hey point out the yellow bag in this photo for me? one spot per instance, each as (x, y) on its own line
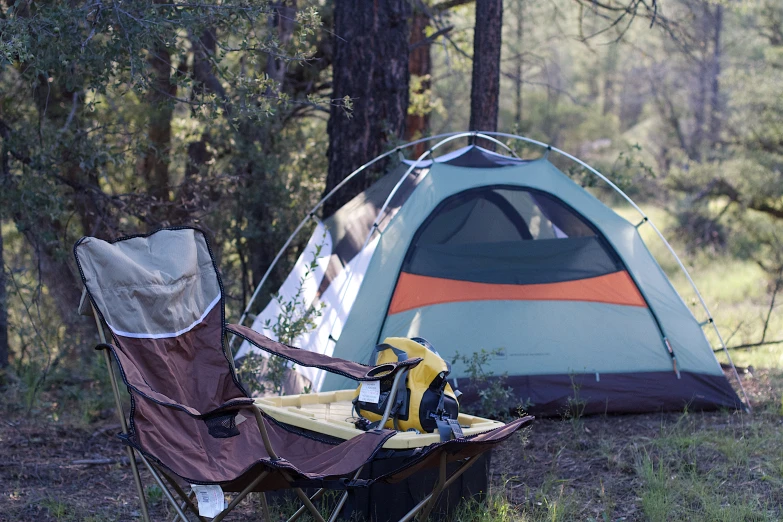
(425, 401)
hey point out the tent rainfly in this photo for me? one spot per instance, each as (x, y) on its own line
(478, 250)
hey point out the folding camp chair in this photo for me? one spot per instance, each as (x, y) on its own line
(160, 297)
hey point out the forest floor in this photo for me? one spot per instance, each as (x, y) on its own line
(658, 467)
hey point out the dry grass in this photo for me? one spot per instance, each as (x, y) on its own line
(666, 466)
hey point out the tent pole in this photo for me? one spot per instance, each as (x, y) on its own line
(646, 219)
(323, 200)
(312, 214)
(385, 205)
(492, 136)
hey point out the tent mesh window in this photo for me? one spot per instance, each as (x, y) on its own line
(508, 235)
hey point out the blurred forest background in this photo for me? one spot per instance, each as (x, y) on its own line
(120, 116)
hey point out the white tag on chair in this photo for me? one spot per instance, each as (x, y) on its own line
(210, 500)
(370, 392)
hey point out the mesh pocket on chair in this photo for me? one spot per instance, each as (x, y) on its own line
(222, 426)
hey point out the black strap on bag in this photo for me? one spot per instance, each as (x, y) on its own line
(447, 427)
(401, 397)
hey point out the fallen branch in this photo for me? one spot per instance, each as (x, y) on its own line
(102, 462)
(112, 428)
(751, 345)
(740, 369)
(106, 429)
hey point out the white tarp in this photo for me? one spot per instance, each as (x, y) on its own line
(298, 277)
(336, 301)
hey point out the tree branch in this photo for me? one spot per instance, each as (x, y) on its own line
(434, 36)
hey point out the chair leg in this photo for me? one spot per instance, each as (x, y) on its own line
(438, 488)
(145, 515)
(343, 498)
(309, 505)
(418, 507)
(184, 496)
(163, 488)
(299, 512)
(265, 508)
(250, 487)
(185, 504)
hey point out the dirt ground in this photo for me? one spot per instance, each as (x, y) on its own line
(574, 469)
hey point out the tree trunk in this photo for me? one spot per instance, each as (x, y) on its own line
(282, 22)
(261, 178)
(47, 235)
(4, 174)
(192, 194)
(519, 62)
(716, 105)
(370, 67)
(60, 281)
(4, 351)
(609, 78)
(485, 87)
(419, 65)
(153, 165)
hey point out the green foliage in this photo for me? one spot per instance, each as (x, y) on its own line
(575, 405)
(57, 509)
(494, 507)
(120, 117)
(296, 318)
(154, 494)
(496, 400)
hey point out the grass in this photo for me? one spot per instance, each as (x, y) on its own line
(736, 291)
(709, 467)
(719, 466)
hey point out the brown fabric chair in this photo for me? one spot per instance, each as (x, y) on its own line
(161, 299)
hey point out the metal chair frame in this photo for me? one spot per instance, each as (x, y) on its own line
(158, 474)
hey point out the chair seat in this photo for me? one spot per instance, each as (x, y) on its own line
(184, 445)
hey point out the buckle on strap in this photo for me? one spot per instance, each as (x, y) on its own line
(448, 429)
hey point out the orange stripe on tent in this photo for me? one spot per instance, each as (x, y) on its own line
(415, 291)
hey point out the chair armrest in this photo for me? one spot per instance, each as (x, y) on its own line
(134, 379)
(350, 369)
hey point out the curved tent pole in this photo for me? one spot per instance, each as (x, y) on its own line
(312, 213)
(491, 136)
(646, 219)
(374, 228)
(323, 200)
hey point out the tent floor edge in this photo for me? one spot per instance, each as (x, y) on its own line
(555, 395)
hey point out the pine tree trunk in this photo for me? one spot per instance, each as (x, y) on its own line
(153, 164)
(371, 67)
(609, 78)
(716, 103)
(420, 64)
(4, 351)
(519, 62)
(485, 88)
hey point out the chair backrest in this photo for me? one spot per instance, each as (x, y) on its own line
(162, 299)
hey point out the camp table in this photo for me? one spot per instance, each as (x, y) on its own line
(331, 414)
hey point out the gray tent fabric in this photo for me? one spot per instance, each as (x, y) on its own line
(471, 156)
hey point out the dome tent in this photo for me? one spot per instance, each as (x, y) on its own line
(479, 250)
